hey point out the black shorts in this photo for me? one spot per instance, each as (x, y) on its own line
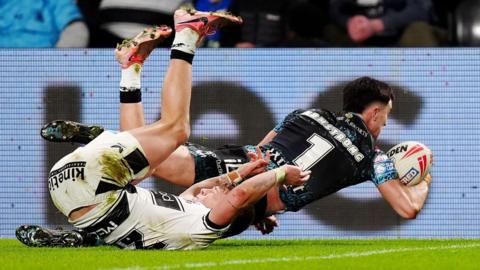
(210, 163)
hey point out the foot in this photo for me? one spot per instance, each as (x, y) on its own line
(204, 23)
(137, 49)
(69, 131)
(36, 236)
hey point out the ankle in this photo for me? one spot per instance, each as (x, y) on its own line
(186, 41)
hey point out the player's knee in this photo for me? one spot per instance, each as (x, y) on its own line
(180, 131)
(183, 133)
(409, 213)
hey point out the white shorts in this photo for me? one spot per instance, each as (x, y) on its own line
(150, 219)
(94, 173)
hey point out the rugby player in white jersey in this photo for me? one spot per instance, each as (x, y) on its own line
(93, 186)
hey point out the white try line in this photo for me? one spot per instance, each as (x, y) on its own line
(294, 258)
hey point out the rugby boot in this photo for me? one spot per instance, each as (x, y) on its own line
(204, 23)
(137, 49)
(36, 236)
(70, 131)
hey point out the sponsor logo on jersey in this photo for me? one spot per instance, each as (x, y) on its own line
(276, 157)
(70, 171)
(337, 134)
(361, 131)
(167, 200)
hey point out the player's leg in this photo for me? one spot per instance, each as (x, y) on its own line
(178, 168)
(186, 165)
(198, 163)
(131, 54)
(160, 139)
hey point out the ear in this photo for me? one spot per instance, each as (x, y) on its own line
(370, 113)
(375, 111)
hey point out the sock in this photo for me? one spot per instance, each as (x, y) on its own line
(185, 41)
(130, 84)
(131, 77)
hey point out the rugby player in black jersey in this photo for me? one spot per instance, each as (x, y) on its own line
(339, 149)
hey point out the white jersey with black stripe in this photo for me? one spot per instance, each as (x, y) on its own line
(152, 219)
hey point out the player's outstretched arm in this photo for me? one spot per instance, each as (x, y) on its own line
(253, 189)
(407, 201)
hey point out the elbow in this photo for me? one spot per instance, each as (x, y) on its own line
(239, 197)
(410, 213)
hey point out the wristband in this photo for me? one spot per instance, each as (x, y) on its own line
(279, 175)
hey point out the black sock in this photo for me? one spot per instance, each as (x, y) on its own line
(130, 95)
(177, 54)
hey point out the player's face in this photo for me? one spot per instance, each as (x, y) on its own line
(379, 119)
(211, 196)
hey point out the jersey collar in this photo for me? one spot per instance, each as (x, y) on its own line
(356, 121)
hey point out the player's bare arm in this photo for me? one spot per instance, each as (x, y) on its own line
(407, 201)
(228, 181)
(251, 190)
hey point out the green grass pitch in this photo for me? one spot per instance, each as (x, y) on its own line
(255, 254)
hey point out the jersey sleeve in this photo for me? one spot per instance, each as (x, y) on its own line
(287, 118)
(383, 168)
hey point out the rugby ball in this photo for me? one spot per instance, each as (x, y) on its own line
(413, 161)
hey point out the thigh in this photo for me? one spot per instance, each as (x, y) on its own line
(178, 168)
(157, 141)
(210, 163)
(120, 156)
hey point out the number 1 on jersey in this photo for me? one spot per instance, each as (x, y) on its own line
(319, 148)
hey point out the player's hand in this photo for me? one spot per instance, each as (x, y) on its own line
(258, 163)
(267, 225)
(428, 179)
(295, 176)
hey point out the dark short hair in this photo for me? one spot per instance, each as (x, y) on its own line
(360, 93)
(242, 221)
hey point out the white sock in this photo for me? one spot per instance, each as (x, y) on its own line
(131, 77)
(185, 41)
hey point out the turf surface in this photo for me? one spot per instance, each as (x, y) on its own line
(261, 254)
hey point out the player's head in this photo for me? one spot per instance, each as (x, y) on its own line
(370, 98)
(245, 217)
(211, 196)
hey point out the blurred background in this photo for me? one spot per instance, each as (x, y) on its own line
(269, 23)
